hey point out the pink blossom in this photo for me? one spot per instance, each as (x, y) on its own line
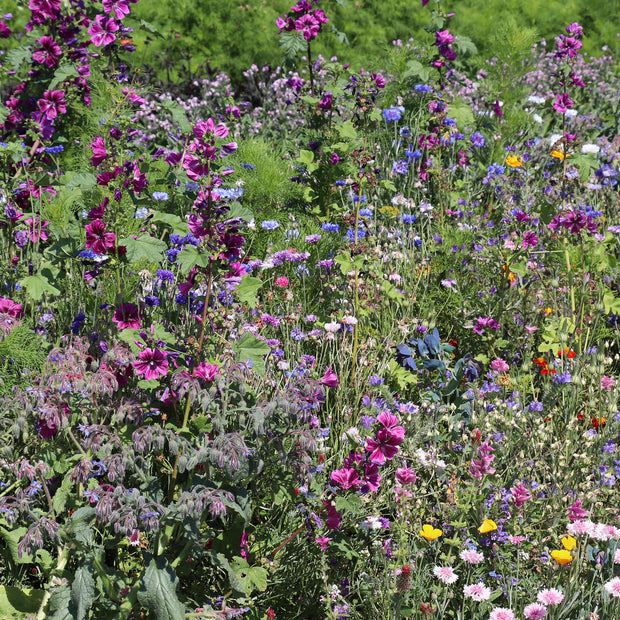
(99, 151)
(346, 477)
(333, 516)
(97, 239)
(516, 540)
(52, 103)
(390, 423)
(501, 613)
(552, 596)
(535, 611)
(445, 574)
(607, 383)
(120, 8)
(499, 365)
(8, 306)
(613, 587)
(205, 371)
(152, 363)
(36, 229)
(330, 379)
(127, 316)
(562, 103)
(323, 541)
(520, 495)
(102, 31)
(372, 479)
(477, 592)
(404, 475)
(48, 53)
(471, 556)
(385, 447)
(576, 512)
(282, 282)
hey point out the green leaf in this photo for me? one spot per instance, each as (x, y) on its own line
(347, 130)
(416, 69)
(190, 257)
(238, 210)
(250, 347)
(177, 225)
(144, 246)
(37, 285)
(177, 113)
(148, 384)
(292, 43)
(17, 56)
(62, 494)
(3, 114)
(252, 577)
(305, 157)
(60, 605)
(462, 113)
(12, 538)
(16, 603)
(246, 291)
(158, 585)
(148, 27)
(387, 184)
(64, 72)
(81, 180)
(83, 589)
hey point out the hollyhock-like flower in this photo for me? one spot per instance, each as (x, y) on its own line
(102, 30)
(152, 363)
(330, 379)
(385, 447)
(445, 574)
(471, 556)
(36, 229)
(477, 592)
(562, 103)
(8, 306)
(520, 495)
(390, 423)
(613, 587)
(205, 371)
(120, 8)
(576, 512)
(501, 613)
(346, 477)
(127, 316)
(535, 611)
(52, 104)
(99, 151)
(97, 239)
(334, 518)
(372, 479)
(404, 475)
(552, 596)
(48, 53)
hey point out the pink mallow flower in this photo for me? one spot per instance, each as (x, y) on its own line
(330, 379)
(346, 477)
(52, 104)
(97, 239)
(102, 31)
(152, 363)
(8, 306)
(520, 495)
(206, 371)
(405, 475)
(127, 316)
(36, 229)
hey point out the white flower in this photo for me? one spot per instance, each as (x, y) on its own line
(535, 99)
(332, 327)
(537, 118)
(590, 148)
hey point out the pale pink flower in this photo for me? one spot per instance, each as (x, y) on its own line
(552, 596)
(617, 556)
(445, 574)
(581, 528)
(607, 383)
(535, 611)
(501, 613)
(516, 540)
(605, 532)
(499, 365)
(613, 587)
(471, 556)
(477, 592)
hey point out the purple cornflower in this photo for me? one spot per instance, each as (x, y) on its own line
(477, 139)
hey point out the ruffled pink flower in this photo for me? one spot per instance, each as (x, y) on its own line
(205, 371)
(499, 365)
(390, 423)
(152, 363)
(48, 53)
(97, 239)
(404, 475)
(535, 611)
(552, 596)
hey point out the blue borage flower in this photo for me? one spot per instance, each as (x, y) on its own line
(270, 224)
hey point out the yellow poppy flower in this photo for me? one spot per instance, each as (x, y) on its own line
(487, 526)
(569, 543)
(561, 556)
(559, 155)
(429, 532)
(514, 161)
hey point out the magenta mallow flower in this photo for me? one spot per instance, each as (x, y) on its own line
(562, 103)
(330, 378)
(48, 53)
(346, 477)
(206, 371)
(152, 363)
(97, 239)
(99, 151)
(127, 316)
(385, 446)
(8, 306)
(120, 8)
(520, 495)
(323, 541)
(36, 229)
(405, 475)
(102, 30)
(52, 104)
(576, 512)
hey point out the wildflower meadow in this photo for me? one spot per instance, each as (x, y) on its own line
(330, 341)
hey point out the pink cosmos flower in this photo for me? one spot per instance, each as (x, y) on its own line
(152, 363)
(535, 611)
(445, 574)
(97, 239)
(127, 316)
(613, 587)
(36, 229)
(501, 613)
(102, 31)
(477, 592)
(552, 596)
(52, 104)
(471, 556)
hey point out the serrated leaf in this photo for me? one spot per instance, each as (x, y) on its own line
(416, 69)
(16, 603)
(64, 72)
(292, 43)
(37, 285)
(347, 130)
(145, 246)
(238, 210)
(60, 605)
(17, 56)
(158, 585)
(246, 291)
(83, 590)
(81, 180)
(305, 157)
(251, 348)
(189, 257)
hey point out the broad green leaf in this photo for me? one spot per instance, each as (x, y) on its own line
(462, 113)
(305, 157)
(190, 257)
(177, 225)
(62, 493)
(246, 291)
(177, 113)
(83, 590)
(148, 384)
(292, 43)
(17, 603)
(158, 585)
(61, 74)
(12, 538)
(252, 577)
(60, 605)
(144, 246)
(3, 114)
(416, 69)
(37, 285)
(238, 210)
(144, 25)
(251, 348)
(347, 130)
(81, 180)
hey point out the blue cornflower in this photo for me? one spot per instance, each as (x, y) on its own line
(393, 114)
(161, 196)
(415, 155)
(172, 254)
(535, 406)
(77, 323)
(297, 334)
(350, 236)
(404, 132)
(270, 224)
(375, 380)
(477, 139)
(230, 193)
(248, 166)
(151, 300)
(400, 166)
(365, 212)
(340, 183)
(495, 169)
(328, 227)
(165, 275)
(180, 299)
(408, 218)
(141, 213)
(449, 122)
(422, 88)
(55, 149)
(191, 186)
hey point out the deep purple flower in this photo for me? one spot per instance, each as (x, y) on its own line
(48, 53)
